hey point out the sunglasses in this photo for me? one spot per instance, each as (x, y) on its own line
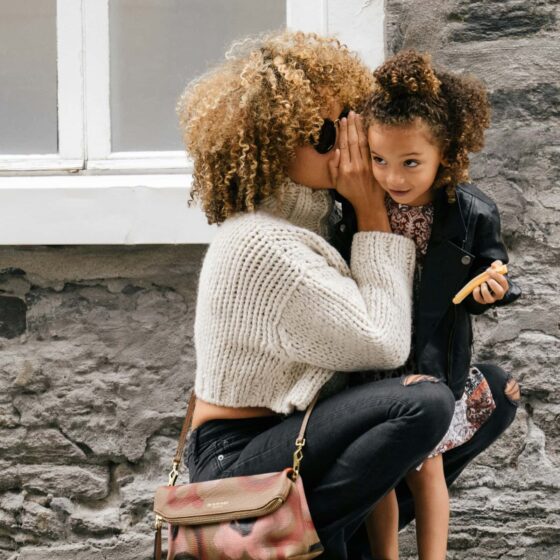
(327, 134)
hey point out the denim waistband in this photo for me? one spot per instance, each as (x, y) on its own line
(220, 429)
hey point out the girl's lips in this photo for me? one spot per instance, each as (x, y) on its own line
(398, 193)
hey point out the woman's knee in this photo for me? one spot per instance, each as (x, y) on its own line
(435, 401)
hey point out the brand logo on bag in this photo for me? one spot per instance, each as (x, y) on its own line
(216, 504)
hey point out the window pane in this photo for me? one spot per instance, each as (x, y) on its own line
(157, 46)
(28, 77)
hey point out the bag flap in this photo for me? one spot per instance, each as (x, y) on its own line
(223, 499)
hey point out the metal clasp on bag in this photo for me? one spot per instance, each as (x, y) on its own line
(173, 474)
(159, 522)
(298, 456)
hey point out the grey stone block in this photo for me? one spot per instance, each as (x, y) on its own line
(12, 317)
(489, 20)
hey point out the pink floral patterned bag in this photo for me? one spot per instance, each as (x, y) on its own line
(259, 517)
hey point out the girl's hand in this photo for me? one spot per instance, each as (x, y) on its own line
(353, 178)
(492, 290)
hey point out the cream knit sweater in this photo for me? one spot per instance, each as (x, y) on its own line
(279, 310)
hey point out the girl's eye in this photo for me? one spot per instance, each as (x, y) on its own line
(411, 163)
(378, 160)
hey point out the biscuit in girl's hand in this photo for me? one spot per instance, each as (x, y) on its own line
(477, 281)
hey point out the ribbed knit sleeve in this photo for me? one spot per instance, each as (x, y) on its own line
(358, 321)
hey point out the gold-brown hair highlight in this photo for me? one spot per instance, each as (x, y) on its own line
(242, 121)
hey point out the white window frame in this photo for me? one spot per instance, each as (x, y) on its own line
(129, 197)
(70, 156)
(98, 110)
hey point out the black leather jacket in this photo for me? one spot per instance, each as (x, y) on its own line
(465, 240)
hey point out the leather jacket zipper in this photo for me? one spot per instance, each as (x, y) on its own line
(450, 346)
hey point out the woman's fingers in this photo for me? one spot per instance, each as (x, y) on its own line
(354, 176)
(362, 139)
(343, 145)
(334, 162)
(353, 139)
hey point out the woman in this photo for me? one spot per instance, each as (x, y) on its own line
(279, 310)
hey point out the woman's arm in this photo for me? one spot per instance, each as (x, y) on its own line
(352, 322)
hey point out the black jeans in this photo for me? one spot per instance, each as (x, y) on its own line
(360, 443)
(454, 460)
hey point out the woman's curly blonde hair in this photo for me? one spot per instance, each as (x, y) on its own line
(455, 108)
(242, 121)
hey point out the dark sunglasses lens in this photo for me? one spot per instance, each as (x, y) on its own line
(327, 137)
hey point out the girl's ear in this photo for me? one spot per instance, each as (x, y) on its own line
(444, 174)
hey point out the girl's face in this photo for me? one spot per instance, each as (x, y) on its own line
(405, 161)
(309, 167)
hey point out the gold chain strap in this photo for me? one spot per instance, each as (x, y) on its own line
(173, 474)
(298, 456)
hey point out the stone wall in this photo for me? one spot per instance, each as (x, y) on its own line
(96, 349)
(507, 505)
(96, 357)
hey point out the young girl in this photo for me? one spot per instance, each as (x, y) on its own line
(421, 126)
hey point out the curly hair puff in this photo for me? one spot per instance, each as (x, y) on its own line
(242, 121)
(455, 108)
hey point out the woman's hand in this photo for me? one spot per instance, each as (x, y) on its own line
(492, 290)
(353, 178)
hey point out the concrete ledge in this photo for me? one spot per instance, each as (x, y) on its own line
(106, 209)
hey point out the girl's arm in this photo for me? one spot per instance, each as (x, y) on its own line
(488, 247)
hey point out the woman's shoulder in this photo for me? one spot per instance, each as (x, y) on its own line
(254, 228)
(263, 236)
(264, 226)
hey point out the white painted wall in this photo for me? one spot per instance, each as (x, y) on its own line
(134, 209)
(357, 23)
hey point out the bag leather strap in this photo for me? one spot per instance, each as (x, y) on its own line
(185, 430)
(300, 442)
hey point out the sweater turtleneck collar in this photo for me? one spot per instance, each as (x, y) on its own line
(302, 206)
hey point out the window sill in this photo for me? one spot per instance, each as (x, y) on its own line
(100, 210)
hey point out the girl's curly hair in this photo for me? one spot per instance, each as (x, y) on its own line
(242, 121)
(455, 107)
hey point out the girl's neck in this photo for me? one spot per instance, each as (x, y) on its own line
(425, 200)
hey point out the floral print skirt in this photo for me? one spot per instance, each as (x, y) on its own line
(472, 410)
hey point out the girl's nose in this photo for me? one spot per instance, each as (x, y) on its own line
(395, 180)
